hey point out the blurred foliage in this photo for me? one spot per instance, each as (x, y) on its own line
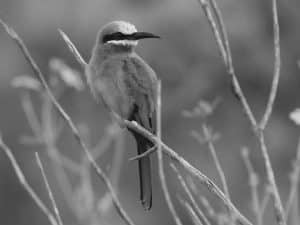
(187, 61)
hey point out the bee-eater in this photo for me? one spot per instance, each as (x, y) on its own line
(127, 86)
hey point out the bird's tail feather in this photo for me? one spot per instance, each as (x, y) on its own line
(144, 171)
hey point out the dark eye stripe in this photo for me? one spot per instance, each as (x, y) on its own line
(116, 36)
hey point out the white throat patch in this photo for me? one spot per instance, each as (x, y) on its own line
(124, 42)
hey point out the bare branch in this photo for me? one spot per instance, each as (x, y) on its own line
(56, 211)
(253, 182)
(160, 159)
(223, 46)
(277, 64)
(146, 153)
(68, 120)
(239, 93)
(25, 184)
(73, 49)
(191, 211)
(190, 196)
(211, 186)
(294, 178)
(271, 179)
(179, 159)
(210, 142)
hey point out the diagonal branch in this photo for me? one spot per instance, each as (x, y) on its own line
(161, 172)
(73, 49)
(53, 202)
(25, 184)
(179, 159)
(239, 93)
(210, 142)
(190, 196)
(224, 48)
(70, 123)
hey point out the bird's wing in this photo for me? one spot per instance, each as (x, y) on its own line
(141, 82)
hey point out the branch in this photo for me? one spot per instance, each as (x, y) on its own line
(68, 120)
(211, 146)
(294, 178)
(211, 186)
(145, 154)
(239, 93)
(179, 159)
(225, 51)
(277, 65)
(73, 49)
(190, 196)
(25, 184)
(191, 212)
(160, 159)
(38, 160)
(271, 179)
(253, 182)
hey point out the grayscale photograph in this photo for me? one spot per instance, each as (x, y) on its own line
(142, 112)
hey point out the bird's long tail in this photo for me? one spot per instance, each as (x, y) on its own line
(144, 171)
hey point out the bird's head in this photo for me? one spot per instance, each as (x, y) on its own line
(120, 33)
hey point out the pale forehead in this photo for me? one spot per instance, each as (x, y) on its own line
(119, 26)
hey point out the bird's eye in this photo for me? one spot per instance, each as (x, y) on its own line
(113, 36)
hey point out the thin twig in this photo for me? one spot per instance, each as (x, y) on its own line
(190, 195)
(206, 9)
(238, 91)
(179, 159)
(59, 161)
(277, 64)
(225, 52)
(209, 209)
(161, 172)
(51, 197)
(271, 179)
(25, 184)
(191, 211)
(294, 183)
(253, 182)
(211, 186)
(211, 146)
(218, 15)
(145, 154)
(70, 123)
(73, 49)
(210, 142)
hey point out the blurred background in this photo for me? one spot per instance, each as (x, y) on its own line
(186, 59)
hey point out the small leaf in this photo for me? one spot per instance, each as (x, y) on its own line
(295, 116)
(26, 82)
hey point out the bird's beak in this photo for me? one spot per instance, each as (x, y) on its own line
(143, 35)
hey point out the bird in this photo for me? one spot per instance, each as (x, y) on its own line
(127, 86)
